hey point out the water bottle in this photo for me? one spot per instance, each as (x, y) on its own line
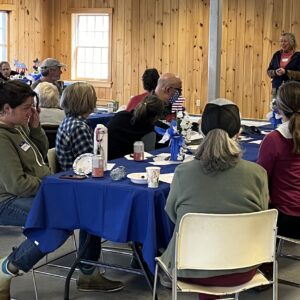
(138, 151)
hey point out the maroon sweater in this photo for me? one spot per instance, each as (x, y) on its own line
(283, 168)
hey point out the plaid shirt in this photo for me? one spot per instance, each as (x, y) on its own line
(74, 137)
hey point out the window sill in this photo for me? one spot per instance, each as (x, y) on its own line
(94, 83)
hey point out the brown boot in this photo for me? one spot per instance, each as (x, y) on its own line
(97, 283)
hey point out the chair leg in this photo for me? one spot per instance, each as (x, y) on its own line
(34, 285)
(275, 280)
(174, 285)
(154, 296)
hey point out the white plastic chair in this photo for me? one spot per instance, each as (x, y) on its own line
(280, 253)
(54, 167)
(52, 160)
(223, 242)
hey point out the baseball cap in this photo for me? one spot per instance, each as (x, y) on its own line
(221, 114)
(50, 63)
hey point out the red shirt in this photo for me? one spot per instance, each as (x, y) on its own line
(135, 100)
(285, 58)
(283, 168)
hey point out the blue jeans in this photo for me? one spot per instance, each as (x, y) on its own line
(28, 254)
(14, 211)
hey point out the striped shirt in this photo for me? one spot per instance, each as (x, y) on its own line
(74, 137)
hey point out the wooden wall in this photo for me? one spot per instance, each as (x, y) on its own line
(171, 35)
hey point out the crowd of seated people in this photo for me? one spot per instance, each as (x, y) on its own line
(218, 162)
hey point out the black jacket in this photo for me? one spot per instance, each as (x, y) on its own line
(292, 69)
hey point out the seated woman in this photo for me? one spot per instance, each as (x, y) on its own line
(217, 181)
(6, 71)
(51, 113)
(75, 137)
(127, 127)
(20, 174)
(149, 78)
(279, 154)
(23, 148)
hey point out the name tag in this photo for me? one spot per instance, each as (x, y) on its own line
(24, 146)
(285, 59)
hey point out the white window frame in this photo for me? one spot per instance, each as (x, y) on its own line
(4, 41)
(74, 46)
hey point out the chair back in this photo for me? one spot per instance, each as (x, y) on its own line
(52, 160)
(149, 141)
(51, 131)
(226, 241)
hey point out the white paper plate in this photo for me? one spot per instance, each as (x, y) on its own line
(83, 164)
(138, 178)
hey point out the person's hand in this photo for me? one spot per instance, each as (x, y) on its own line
(280, 71)
(34, 120)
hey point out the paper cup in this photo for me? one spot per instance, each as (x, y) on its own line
(153, 176)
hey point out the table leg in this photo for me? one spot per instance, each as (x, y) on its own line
(139, 256)
(73, 267)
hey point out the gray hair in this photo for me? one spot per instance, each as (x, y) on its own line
(48, 94)
(218, 151)
(78, 99)
(291, 38)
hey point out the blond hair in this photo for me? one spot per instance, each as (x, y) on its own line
(48, 95)
(78, 99)
(218, 151)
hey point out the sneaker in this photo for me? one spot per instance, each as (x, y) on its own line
(165, 280)
(4, 280)
(97, 283)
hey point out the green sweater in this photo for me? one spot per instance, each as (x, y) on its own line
(22, 153)
(240, 189)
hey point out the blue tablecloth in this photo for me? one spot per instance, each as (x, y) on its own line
(119, 211)
(99, 118)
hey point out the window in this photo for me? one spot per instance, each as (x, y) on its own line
(3, 35)
(91, 46)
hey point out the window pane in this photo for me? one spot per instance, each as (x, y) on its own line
(92, 44)
(3, 35)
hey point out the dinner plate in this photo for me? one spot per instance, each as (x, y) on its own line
(83, 164)
(138, 178)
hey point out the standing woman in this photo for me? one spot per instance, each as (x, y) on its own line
(285, 63)
(279, 154)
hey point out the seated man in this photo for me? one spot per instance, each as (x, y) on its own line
(6, 71)
(51, 71)
(150, 78)
(168, 89)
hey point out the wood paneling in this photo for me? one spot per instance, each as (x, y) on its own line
(171, 35)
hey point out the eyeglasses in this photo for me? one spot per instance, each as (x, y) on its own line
(177, 89)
